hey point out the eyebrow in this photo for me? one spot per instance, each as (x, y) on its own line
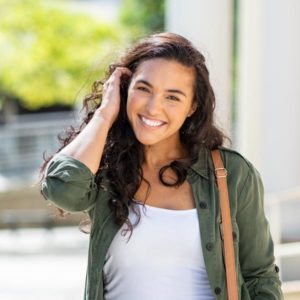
(170, 90)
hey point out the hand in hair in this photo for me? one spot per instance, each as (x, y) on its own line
(110, 105)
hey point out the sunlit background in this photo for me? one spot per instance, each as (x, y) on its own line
(50, 54)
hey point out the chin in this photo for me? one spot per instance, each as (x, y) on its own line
(147, 142)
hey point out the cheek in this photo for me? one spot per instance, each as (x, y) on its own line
(177, 113)
(132, 104)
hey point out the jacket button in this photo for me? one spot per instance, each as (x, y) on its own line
(203, 205)
(218, 291)
(276, 269)
(209, 246)
(234, 235)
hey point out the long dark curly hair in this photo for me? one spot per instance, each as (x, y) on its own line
(123, 154)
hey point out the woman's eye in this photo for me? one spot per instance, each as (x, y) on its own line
(141, 88)
(174, 98)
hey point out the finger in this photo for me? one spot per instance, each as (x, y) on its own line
(122, 70)
(116, 75)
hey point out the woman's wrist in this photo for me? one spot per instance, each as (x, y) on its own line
(103, 117)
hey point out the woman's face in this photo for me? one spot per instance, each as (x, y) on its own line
(160, 98)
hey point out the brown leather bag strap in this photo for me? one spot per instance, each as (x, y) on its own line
(221, 175)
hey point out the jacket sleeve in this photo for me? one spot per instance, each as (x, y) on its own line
(69, 184)
(256, 249)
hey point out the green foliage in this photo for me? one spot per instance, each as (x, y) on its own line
(143, 17)
(46, 53)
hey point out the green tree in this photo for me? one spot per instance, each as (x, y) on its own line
(143, 17)
(47, 54)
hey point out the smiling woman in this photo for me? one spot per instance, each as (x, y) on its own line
(140, 165)
(160, 98)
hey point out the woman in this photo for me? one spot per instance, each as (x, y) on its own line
(140, 166)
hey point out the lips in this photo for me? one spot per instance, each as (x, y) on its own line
(154, 123)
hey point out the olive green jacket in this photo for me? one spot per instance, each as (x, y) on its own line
(70, 185)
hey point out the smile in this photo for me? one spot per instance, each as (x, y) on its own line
(151, 123)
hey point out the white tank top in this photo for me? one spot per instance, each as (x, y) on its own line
(162, 260)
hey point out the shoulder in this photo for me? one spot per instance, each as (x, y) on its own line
(231, 156)
(237, 165)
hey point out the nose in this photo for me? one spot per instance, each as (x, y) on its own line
(154, 106)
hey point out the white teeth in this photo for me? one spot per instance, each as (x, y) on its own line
(151, 123)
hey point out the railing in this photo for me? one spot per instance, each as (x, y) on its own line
(275, 209)
(19, 218)
(282, 221)
(23, 141)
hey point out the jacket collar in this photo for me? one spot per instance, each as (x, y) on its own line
(201, 166)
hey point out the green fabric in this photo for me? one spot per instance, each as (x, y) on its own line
(70, 185)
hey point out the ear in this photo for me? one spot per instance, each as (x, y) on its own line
(192, 109)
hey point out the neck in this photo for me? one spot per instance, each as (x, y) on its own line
(157, 156)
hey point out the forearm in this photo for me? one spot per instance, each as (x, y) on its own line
(69, 184)
(88, 146)
(265, 287)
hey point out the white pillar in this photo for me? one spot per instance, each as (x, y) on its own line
(268, 128)
(250, 85)
(208, 24)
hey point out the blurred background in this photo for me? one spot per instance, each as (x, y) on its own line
(51, 51)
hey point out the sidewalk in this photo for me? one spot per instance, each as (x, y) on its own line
(39, 264)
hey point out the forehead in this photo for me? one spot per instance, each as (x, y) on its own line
(163, 72)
